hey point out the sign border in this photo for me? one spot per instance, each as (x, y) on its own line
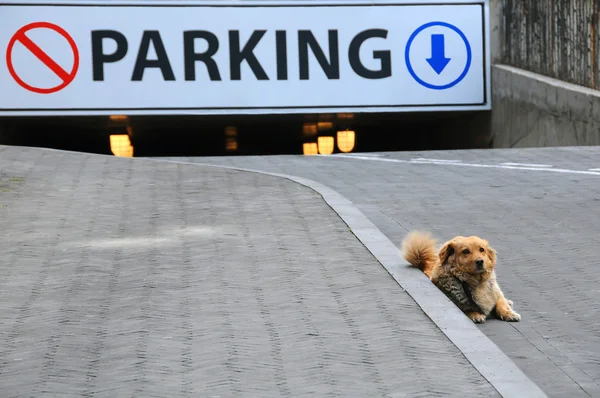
(485, 105)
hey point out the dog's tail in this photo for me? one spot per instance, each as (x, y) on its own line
(420, 251)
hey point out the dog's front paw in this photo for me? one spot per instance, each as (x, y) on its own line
(476, 317)
(511, 317)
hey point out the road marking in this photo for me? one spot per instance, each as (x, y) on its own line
(366, 154)
(436, 160)
(486, 166)
(594, 169)
(527, 165)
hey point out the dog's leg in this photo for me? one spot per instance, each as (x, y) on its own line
(505, 311)
(476, 317)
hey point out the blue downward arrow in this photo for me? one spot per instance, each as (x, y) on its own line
(438, 60)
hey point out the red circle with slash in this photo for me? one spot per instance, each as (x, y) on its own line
(21, 37)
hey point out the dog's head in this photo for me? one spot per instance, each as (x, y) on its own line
(469, 254)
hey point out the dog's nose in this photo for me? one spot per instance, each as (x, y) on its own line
(479, 263)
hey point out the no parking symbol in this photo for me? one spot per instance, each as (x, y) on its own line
(18, 72)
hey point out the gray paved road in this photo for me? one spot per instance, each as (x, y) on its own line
(123, 277)
(544, 224)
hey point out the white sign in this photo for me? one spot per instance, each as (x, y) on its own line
(94, 57)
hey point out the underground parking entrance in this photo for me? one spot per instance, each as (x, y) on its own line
(145, 136)
(281, 78)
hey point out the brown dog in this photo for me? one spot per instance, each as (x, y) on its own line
(463, 269)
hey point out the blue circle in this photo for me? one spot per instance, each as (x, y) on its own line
(412, 72)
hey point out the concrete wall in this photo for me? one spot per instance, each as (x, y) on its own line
(531, 110)
(546, 59)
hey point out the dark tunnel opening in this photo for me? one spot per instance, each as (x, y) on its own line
(156, 136)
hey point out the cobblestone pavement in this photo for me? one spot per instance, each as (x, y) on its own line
(544, 224)
(123, 277)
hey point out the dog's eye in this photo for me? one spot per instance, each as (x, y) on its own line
(481, 249)
(466, 251)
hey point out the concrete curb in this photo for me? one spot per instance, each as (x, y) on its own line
(495, 366)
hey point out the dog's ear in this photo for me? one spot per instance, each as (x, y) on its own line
(492, 254)
(446, 251)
